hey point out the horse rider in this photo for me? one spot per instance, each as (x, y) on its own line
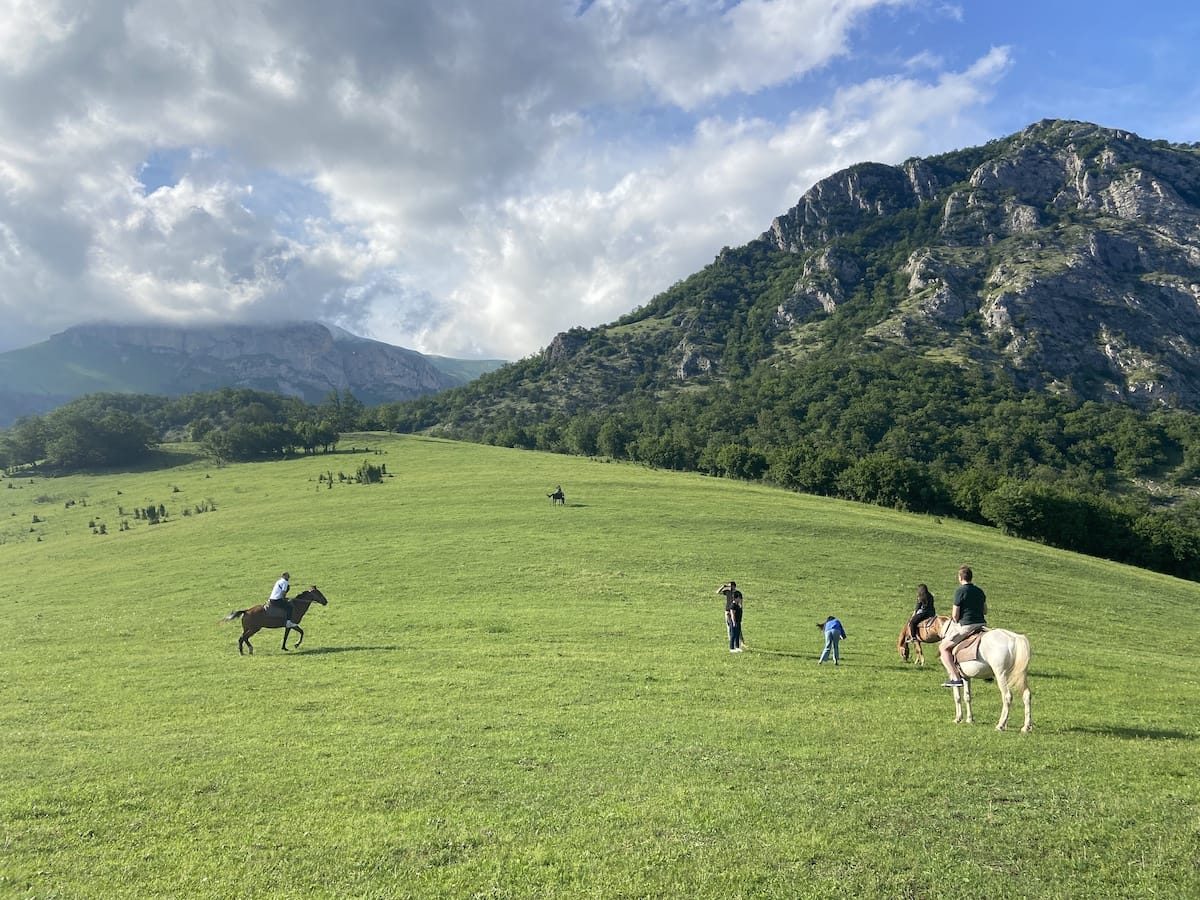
(968, 617)
(279, 598)
(923, 611)
(557, 496)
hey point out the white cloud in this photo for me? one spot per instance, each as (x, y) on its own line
(545, 262)
(688, 55)
(453, 176)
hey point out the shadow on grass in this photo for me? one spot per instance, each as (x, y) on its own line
(1122, 731)
(787, 653)
(304, 651)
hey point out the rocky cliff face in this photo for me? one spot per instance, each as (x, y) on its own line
(1071, 250)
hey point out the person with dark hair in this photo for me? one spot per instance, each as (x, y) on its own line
(923, 611)
(733, 614)
(834, 633)
(968, 617)
(279, 598)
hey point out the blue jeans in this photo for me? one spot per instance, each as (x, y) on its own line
(735, 636)
(831, 646)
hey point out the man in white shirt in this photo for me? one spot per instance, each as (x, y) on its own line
(279, 598)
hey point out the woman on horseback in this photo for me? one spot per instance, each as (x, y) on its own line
(923, 611)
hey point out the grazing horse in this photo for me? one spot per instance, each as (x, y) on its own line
(1003, 655)
(258, 617)
(929, 631)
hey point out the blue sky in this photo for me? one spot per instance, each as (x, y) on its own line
(469, 178)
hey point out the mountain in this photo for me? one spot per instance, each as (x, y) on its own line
(302, 359)
(1064, 258)
(1008, 334)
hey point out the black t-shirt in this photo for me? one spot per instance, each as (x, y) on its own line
(733, 604)
(970, 601)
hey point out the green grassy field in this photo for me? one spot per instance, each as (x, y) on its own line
(505, 699)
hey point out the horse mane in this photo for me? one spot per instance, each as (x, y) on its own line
(306, 595)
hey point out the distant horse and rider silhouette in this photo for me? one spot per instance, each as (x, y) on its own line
(557, 496)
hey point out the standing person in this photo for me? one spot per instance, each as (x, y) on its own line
(834, 632)
(923, 611)
(279, 598)
(733, 614)
(968, 617)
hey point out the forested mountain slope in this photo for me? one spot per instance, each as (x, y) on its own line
(1065, 257)
(951, 334)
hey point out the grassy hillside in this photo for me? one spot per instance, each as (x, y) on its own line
(505, 699)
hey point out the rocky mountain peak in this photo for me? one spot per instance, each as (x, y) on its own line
(1076, 247)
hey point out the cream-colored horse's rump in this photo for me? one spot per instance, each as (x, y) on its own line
(1003, 655)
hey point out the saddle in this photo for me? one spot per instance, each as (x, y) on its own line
(967, 650)
(274, 611)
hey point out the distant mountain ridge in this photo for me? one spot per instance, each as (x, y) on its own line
(301, 359)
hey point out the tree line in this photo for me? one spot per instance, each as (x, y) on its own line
(234, 424)
(890, 430)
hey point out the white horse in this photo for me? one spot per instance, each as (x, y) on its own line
(1004, 655)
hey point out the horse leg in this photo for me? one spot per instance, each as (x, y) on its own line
(1027, 699)
(958, 708)
(920, 660)
(966, 689)
(245, 639)
(1005, 700)
(287, 631)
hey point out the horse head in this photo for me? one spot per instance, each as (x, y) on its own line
(312, 595)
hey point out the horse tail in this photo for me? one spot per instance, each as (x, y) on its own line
(1018, 678)
(233, 615)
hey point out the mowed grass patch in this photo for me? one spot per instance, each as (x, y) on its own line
(510, 699)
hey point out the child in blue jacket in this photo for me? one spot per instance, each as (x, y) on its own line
(834, 632)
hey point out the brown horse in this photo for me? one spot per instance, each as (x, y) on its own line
(929, 631)
(258, 617)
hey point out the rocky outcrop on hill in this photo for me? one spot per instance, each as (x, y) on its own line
(1075, 248)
